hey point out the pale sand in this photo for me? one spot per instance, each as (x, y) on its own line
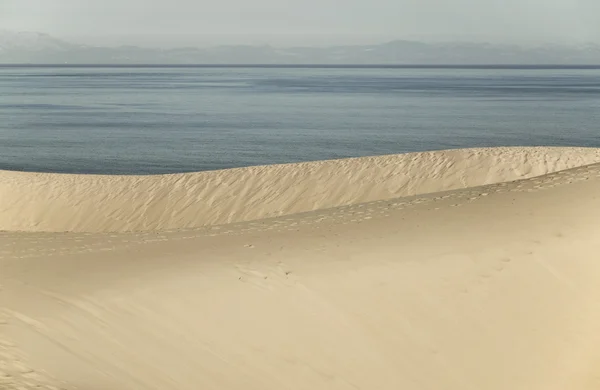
(76, 203)
(494, 287)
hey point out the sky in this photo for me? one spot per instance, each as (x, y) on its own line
(304, 22)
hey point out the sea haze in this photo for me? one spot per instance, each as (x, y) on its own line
(150, 120)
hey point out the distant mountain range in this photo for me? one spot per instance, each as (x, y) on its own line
(37, 48)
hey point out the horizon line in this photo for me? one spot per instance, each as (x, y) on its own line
(256, 65)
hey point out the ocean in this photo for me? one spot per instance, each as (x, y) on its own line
(153, 120)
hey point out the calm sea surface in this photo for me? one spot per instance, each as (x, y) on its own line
(161, 120)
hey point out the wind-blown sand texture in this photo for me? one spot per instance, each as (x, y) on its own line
(95, 203)
(484, 287)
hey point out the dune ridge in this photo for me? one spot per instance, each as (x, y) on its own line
(38, 202)
(493, 287)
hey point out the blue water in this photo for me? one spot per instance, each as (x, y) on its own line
(160, 120)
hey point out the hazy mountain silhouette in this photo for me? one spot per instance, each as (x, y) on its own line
(37, 48)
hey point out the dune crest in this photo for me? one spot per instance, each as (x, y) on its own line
(97, 203)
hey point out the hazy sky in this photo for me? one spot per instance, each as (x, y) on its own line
(310, 22)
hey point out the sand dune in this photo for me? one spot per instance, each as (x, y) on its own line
(85, 203)
(493, 287)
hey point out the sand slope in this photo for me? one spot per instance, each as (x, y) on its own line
(43, 202)
(493, 287)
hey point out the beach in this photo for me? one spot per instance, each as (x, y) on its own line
(458, 269)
